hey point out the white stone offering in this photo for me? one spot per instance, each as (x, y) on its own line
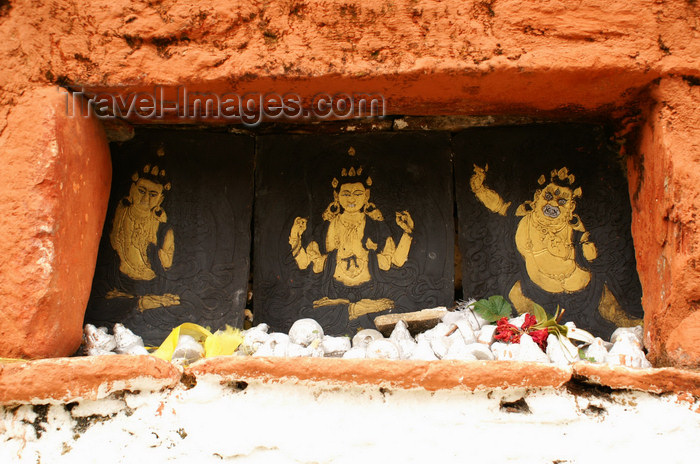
(128, 342)
(253, 339)
(530, 351)
(364, 337)
(596, 351)
(480, 351)
(506, 351)
(466, 331)
(188, 350)
(297, 351)
(517, 321)
(403, 340)
(267, 349)
(357, 352)
(637, 332)
(451, 317)
(406, 348)
(274, 346)
(335, 347)
(459, 354)
(261, 327)
(305, 331)
(423, 351)
(98, 341)
(400, 332)
(465, 311)
(485, 335)
(279, 337)
(626, 352)
(440, 346)
(382, 349)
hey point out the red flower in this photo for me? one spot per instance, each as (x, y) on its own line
(540, 337)
(530, 320)
(508, 333)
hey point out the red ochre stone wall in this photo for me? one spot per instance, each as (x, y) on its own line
(550, 58)
(664, 179)
(54, 185)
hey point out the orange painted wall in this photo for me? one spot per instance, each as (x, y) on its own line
(548, 58)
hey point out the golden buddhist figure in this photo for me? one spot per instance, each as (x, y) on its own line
(138, 220)
(545, 238)
(352, 247)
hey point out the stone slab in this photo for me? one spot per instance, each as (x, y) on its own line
(429, 375)
(518, 57)
(544, 216)
(664, 380)
(417, 321)
(664, 174)
(195, 266)
(343, 269)
(54, 185)
(64, 380)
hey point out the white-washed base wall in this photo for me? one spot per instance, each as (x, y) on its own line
(290, 423)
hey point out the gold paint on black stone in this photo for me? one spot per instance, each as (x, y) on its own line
(136, 223)
(346, 216)
(545, 239)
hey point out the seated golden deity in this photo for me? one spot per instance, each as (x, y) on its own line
(352, 248)
(138, 220)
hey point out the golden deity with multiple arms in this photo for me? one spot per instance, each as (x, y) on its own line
(137, 220)
(545, 239)
(347, 250)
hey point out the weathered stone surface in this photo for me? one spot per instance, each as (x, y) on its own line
(417, 321)
(529, 58)
(665, 380)
(54, 185)
(432, 376)
(64, 380)
(663, 181)
(427, 57)
(683, 344)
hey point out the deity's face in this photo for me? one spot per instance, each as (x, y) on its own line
(146, 195)
(352, 197)
(554, 203)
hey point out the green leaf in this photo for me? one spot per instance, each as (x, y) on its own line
(539, 313)
(494, 308)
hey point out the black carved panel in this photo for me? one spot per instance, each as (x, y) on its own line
(492, 260)
(294, 179)
(206, 211)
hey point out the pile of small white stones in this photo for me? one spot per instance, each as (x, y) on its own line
(98, 341)
(461, 335)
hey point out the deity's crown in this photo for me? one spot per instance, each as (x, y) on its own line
(561, 177)
(154, 173)
(350, 173)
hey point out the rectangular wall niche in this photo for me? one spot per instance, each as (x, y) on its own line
(351, 227)
(176, 242)
(544, 216)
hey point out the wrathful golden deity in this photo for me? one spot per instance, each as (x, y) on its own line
(545, 240)
(347, 250)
